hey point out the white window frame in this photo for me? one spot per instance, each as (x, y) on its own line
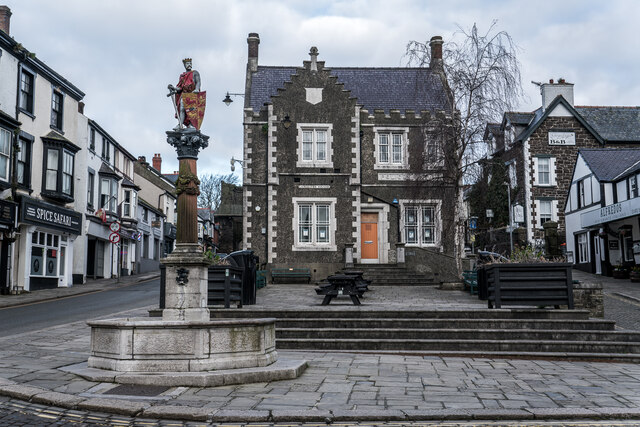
(314, 162)
(5, 152)
(437, 220)
(111, 204)
(314, 245)
(391, 163)
(583, 248)
(131, 204)
(552, 171)
(554, 211)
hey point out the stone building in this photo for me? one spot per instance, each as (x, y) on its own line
(541, 147)
(345, 165)
(228, 218)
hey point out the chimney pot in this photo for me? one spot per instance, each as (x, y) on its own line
(561, 81)
(550, 81)
(81, 107)
(436, 52)
(5, 18)
(253, 41)
(157, 162)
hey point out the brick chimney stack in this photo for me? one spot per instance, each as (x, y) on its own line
(5, 18)
(436, 53)
(157, 162)
(253, 41)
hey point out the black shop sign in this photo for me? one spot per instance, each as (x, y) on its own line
(39, 213)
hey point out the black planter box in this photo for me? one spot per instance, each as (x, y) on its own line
(224, 286)
(540, 284)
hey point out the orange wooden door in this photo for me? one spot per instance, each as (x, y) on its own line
(369, 236)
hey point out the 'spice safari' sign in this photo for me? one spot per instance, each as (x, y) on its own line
(562, 138)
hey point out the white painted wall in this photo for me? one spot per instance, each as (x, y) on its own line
(9, 86)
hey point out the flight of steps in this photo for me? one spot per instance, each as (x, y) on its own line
(490, 333)
(392, 274)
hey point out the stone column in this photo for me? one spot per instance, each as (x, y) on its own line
(187, 267)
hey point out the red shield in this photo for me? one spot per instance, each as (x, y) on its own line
(194, 104)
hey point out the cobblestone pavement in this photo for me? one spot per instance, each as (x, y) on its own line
(621, 299)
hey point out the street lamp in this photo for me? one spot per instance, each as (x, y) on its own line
(227, 99)
(233, 162)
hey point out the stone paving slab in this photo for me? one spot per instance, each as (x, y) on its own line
(340, 386)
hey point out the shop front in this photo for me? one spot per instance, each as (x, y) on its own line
(45, 244)
(128, 239)
(610, 237)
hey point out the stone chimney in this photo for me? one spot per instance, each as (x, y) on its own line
(551, 90)
(157, 162)
(253, 41)
(143, 160)
(436, 53)
(5, 18)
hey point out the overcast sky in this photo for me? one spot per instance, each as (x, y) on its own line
(123, 54)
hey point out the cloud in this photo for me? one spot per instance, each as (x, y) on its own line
(123, 54)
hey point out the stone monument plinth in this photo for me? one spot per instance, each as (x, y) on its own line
(186, 347)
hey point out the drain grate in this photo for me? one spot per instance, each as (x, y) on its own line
(137, 390)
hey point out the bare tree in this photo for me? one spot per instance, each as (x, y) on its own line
(482, 74)
(210, 189)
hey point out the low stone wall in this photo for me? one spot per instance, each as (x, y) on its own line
(588, 296)
(427, 261)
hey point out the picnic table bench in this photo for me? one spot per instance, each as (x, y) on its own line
(290, 273)
(340, 284)
(470, 281)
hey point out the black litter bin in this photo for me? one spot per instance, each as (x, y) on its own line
(247, 261)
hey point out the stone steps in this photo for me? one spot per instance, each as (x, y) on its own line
(473, 334)
(601, 348)
(446, 324)
(553, 333)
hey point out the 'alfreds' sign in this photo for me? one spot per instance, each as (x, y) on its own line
(562, 138)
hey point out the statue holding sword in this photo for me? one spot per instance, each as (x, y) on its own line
(189, 102)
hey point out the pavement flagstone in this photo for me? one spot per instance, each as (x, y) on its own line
(337, 386)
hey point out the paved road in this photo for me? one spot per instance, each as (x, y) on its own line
(37, 316)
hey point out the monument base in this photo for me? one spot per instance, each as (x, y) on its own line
(142, 345)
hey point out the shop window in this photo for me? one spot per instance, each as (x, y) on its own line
(628, 247)
(583, 248)
(45, 255)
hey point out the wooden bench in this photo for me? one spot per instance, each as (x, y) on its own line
(340, 284)
(290, 273)
(470, 281)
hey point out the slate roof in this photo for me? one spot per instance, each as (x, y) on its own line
(614, 124)
(518, 118)
(609, 164)
(205, 214)
(173, 177)
(106, 170)
(375, 88)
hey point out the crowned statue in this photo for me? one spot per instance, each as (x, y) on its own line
(188, 101)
